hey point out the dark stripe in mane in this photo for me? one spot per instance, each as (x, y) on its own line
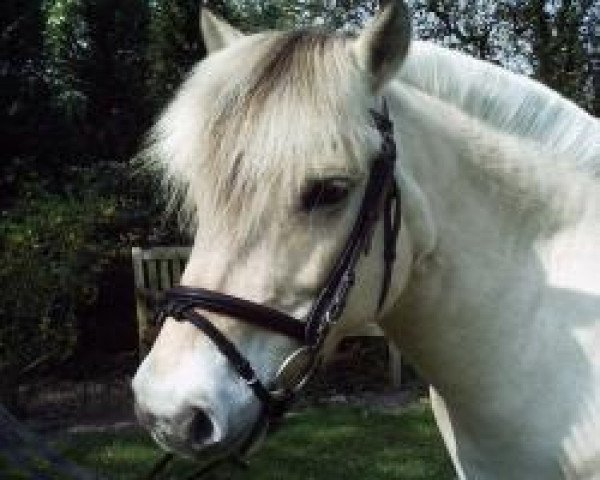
(292, 55)
(292, 65)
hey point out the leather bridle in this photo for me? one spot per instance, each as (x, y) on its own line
(183, 303)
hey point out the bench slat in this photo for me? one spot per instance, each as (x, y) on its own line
(176, 271)
(152, 266)
(165, 276)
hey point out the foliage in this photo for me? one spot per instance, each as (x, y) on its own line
(591, 34)
(315, 444)
(56, 247)
(43, 272)
(81, 80)
(174, 46)
(549, 40)
(94, 53)
(346, 15)
(175, 43)
(469, 25)
(44, 241)
(554, 34)
(23, 90)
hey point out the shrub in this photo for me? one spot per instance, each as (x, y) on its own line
(46, 277)
(58, 238)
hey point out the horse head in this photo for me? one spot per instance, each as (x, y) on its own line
(270, 148)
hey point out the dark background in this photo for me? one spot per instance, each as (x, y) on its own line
(80, 83)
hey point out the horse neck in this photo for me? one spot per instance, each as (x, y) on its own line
(494, 205)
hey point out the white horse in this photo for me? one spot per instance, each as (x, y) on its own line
(495, 295)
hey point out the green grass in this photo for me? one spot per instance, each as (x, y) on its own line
(316, 444)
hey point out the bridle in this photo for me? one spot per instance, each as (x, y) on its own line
(182, 303)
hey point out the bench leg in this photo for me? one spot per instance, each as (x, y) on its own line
(395, 365)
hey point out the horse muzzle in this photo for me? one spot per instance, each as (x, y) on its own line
(191, 431)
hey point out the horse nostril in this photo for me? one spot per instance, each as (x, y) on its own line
(202, 429)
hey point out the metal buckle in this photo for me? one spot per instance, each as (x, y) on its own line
(294, 372)
(341, 297)
(252, 381)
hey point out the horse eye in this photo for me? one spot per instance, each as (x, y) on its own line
(324, 193)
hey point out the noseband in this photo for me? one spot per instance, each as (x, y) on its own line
(182, 303)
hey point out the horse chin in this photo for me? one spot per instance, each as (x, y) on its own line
(204, 457)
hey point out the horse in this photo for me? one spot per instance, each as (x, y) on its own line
(268, 150)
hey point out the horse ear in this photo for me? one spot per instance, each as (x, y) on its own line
(382, 46)
(216, 32)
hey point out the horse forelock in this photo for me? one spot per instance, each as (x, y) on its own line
(253, 122)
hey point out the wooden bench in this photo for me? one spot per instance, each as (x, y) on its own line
(159, 268)
(154, 270)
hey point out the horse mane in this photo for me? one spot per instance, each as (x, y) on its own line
(507, 102)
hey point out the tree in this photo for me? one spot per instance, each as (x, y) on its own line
(95, 56)
(591, 36)
(346, 15)
(113, 75)
(173, 47)
(22, 82)
(547, 39)
(175, 42)
(553, 31)
(468, 25)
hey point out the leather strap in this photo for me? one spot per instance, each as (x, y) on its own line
(240, 364)
(259, 315)
(332, 300)
(392, 218)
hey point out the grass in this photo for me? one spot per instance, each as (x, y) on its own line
(316, 444)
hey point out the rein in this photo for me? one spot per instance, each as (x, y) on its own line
(182, 303)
